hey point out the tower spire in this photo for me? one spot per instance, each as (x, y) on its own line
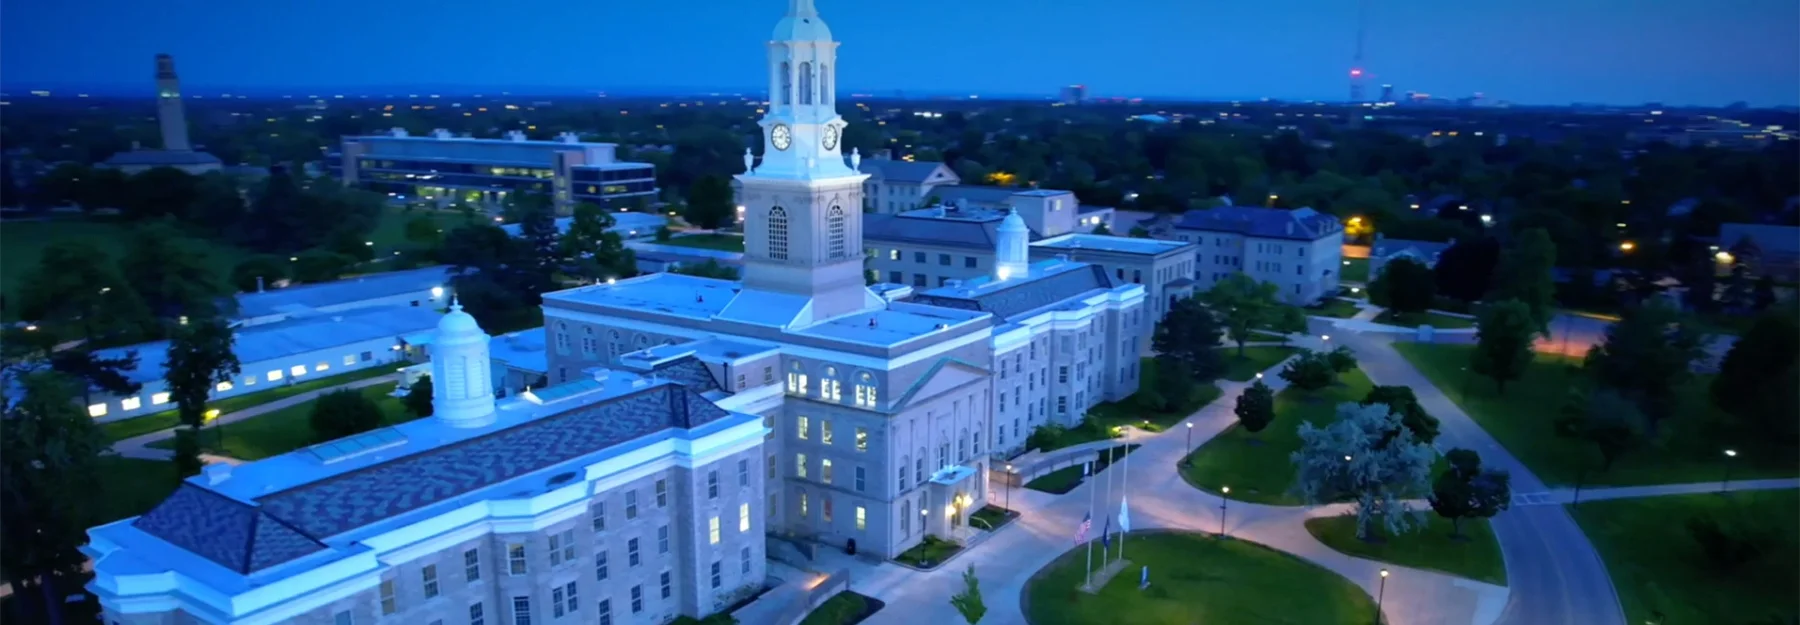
(802, 8)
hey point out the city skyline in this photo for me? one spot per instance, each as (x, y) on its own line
(1594, 51)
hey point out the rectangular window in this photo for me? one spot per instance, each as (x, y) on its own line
(861, 477)
(825, 431)
(388, 604)
(521, 610)
(366, 356)
(344, 618)
(744, 561)
(862, 439)
(825, 508)
(969, 261)
(349, 359)
(130, 403)
(631, 552)
(800, 465)
(477, 615)
(556, 602)
(944, 259)
(712, 530)
(1062, 374)
(562, 547)
(630, 505)
(893, 254)
(862, 519)
(712, 484)
(668, 586)
(743, 471)
(605, 612)
(515, 558)
(159, 399)
(297, 370)
(919, 257)
(600, 569)
(896, 277)
(472, 565)
(662, 539)
(825, 470)
(802, 427)
(743, 517)
(662, 493)
(637, 599)
(569, 599)
(429, 575)
(717, 580)
(1062, 404)
(597, 514)
(223, 386)
(803, 505)
(770, 464)
(902, 476)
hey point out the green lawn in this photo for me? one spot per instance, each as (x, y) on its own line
(1254, 361)
(1197, 579)
(1104, 420)
(1334, 308)
(1256, 466)
(22, 244)
(281, 431)
(1688, 447)
(389, 234)
(724, 242)
(1657, 566)
(992, 517)
(131, 487)
(1476, 555)
(1067, 478)
(843, 608)
(1412, 320)
(1355, 270)
(138, 426)
(930, 552)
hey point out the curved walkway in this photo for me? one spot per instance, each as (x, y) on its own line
(139, 446)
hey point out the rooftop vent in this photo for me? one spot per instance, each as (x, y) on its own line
(216, 472)
(397, 132)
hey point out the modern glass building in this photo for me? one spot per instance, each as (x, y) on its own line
(451, 169)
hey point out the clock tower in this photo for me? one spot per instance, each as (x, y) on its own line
(802, 202)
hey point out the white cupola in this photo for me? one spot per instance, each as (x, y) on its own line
(462, 393)
(1012, 258)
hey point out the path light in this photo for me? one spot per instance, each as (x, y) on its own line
(1379, 595)
(1224, 506)
(1190, 445)
(1725, 484)
(1259, 375)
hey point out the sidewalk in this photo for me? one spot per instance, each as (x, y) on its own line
(1567, 495)
(138, 446)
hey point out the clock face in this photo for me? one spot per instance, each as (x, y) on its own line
(781, 137)
(831, 137)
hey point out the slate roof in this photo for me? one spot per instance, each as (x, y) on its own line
(1428, 250)
(231, 533)
(974, 193)
(1302, 224)
(162, 157)
(1022, 297)
(901, 171)
(689, 372)
(930, 231)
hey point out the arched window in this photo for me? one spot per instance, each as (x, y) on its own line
(787, 84)
(778, 239)
(866, 395)
(824, 84)
(962, 446)
(589, 344)
(978, 438)
(615, 345)
(919, 467)
(639, 342)
(796, 378)
(906, 518)
(806, 83)
(830, 387)
(834, 229)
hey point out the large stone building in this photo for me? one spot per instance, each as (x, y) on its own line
(446, 169)
(1300, 251)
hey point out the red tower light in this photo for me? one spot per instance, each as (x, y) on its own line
(1356, 72)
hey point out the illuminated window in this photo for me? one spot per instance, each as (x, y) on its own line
(223, 386)
(825, 431)
(321, 366)
(778, 234)
(834, 228)
(796, 380)
(862, 519)
(803, 426)
(249, 380)
(743, 517)
(712, 530)
(159, 399)
(799, 459)
(97, 410)
(131, 403)
(862, 439)
(274, 375)
(825, 470)
(802, 504)
(865, 390)
(349, 359)
(297, 370)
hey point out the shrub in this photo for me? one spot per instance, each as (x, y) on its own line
(1721, 548)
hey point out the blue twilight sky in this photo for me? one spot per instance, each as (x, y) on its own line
(1530, 51)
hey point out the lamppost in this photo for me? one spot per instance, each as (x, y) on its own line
(1224, 507)
(1725, 484)
(1010, 478)
(1187, 458)
(1379, 595)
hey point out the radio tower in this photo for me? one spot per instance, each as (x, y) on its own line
(1356, 71)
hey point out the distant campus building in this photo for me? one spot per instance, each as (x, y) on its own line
(1300, 250)
(176, 151)
(450, 169)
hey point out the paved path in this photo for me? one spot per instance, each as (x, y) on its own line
(1567, 495)
(138, 446)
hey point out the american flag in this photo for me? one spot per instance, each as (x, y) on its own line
(1087, 523)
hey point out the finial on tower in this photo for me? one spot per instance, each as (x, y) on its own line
(856, 159)
(802, 8)
(749, 161)
(454, 306)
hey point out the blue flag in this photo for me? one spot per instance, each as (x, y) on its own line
(1106, 533)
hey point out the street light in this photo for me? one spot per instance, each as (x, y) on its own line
(1379, 595)
(1010, 478)
(1188, 457)
(1259, 375)
(1726, 483)
(1224, 507)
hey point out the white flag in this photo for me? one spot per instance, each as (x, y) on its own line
(1124, 514)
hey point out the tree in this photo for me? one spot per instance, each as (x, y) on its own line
(1189, 333)
(709, 203)
(1646, 356)
(1525, 274)
(1243, 305)
(709, 269)
(542, 242)
(1401, 401)
(1341, 360)
(259, 272)
(343, 413)
(94, 371)
(1310, 371)
(77, 293)
(1465, 271)
(1174, 384)
(1404, 286)
(423, 231)
(1757, 378)
(1467, 491)
(1346, 459)
(49, 474)
(1255, 407)
(1604, 418)
(1503, 335)
(161, 192)
(418, 397)
(171, 273)
(1138, 232)
(663, 234)
(968, 602)
(594, 249)
(199, 358)
(1102, 229)
(319, 265)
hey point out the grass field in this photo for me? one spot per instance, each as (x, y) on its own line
(1658, 567)
(723, 242)
(1355, 270)
(1413, 320)
(1256, 466)
(138, 426)
(1476, 555)
(930, 552)
(1334, 308)
(1197, 579)
(1067, 478)
(283, 430)
(390, 231)
(22, 243)
(1688, 447)
(1254, 360)
(843, 608)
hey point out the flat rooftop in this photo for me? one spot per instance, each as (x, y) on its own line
(523, 350)
(1108, 243)
(296, 336)
(339, 292)
(676, 294)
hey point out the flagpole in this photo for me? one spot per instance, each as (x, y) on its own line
(1106, 527)
(1124, 500)
(1090, 543)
